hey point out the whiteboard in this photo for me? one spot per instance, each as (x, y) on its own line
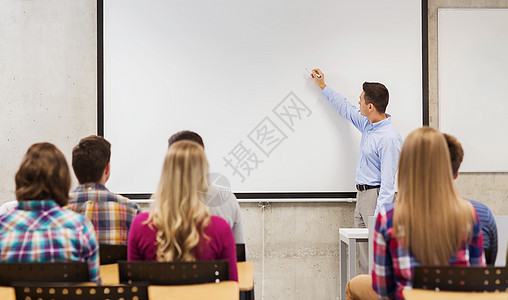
(473, 64)
(237, 73)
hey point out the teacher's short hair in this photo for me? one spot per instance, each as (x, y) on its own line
(377, 94)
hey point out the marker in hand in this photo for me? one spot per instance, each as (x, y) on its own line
(318, 77)
(315, 73)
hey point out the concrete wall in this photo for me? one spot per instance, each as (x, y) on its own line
(301, 248)
(48, 78)
(48, 92)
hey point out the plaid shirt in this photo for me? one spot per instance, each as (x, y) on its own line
(42, 231)
(393, 264)
(111, 214)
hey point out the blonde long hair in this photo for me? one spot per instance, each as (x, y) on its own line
(430, 218)
(179, 202)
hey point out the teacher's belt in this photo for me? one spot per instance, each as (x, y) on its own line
(364, 187)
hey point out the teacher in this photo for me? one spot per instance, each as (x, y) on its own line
(379, 150)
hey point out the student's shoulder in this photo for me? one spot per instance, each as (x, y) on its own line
(126, 201)
(218, 224)
(72, 219)
(483, 213)
(76, 196)
(219, 230)
(479, 206)
(141, 218)
(217, 221)
(9, 219)
(8, 206)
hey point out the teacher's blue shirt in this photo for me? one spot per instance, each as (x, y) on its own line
(379, 148)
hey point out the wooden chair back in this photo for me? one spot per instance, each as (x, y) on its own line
(468, 279)
(57, 292)
(173, 273)
(71, 272)
(111, 254)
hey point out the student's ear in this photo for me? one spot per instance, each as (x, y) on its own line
(107, 171)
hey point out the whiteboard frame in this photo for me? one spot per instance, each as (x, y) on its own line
(254, 196)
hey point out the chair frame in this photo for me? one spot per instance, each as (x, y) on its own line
(173, 273)
(56, 291)
(111, 254)
(240, 252)
(470, 279)
(71, 272)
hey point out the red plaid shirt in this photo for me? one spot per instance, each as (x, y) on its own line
(393, 264)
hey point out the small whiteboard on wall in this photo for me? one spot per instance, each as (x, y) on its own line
(473, 81)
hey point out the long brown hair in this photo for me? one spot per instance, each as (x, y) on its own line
(179, 202)
(43, 175)
(430, 218)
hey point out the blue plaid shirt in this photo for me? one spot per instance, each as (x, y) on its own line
(111, 214)
(42, 231)
(393, 263)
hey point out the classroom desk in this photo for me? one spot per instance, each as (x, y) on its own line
(110, 276)
(219, 291)
(7, 293)
(349, 236)
(225, 290)
(245, 275)
(418, 294)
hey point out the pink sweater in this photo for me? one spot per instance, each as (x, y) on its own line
(141, 244)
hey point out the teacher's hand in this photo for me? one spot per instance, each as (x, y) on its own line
(319, 77)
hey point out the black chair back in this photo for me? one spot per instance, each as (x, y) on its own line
(59, 292)
(240, 252)
(111, 254)
(43, 272)
(468, 279)
(173, 273)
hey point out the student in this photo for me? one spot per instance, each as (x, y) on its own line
(379, 151)
(39, 229)
(179, 226)
(220, 203)
(410, 231)
(111, 214)
(487, 220)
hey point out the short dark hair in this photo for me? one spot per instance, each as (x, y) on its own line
(185, 135)
(377, 94)
(43, 175)
(90, 157)
(456, 152)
